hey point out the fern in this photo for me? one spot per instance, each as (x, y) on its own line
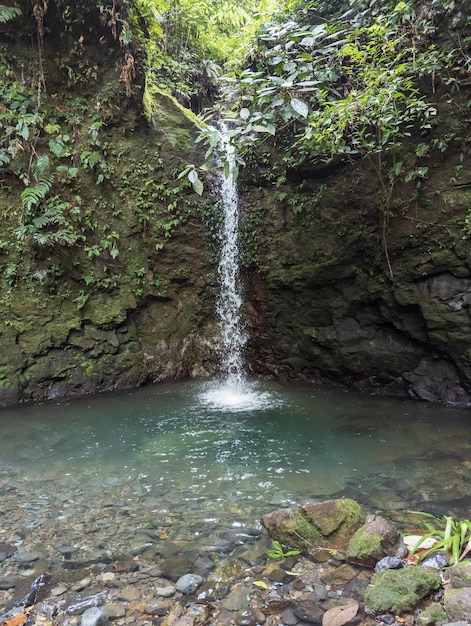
(8, 13)
(40, 165)
(32, 196)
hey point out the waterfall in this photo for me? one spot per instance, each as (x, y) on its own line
(233, 336)
(234, 392)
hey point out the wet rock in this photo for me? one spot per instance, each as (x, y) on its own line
(388, 562)
(188, 583)
(189, 615)
(400, 590)
(80, 604)
(66, 550)
(24, 556)
(7, 582)
(114, 610)
(94, 617)
(288, 617)
(6, 550)
(238, 598)
(338, 575)
(165, 591)
(437, 560)
(377, 538)
(129, 594)
(158, 607)
(458, 604)
(308, 611)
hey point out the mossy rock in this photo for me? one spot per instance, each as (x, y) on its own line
(432, 616)
(316, 527)
(377, 538)
(399, 591)
(460, 575)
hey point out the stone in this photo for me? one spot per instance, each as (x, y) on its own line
(24, 556)
(437, 560)
(308, 611)
(458, 604)
(460, 575)
(388, 562)
(400, 590)
(238, 598)
(158, 607)
(115, 610)
(377, 538)
(165, 591)
(129, 594)
(188, 583)
(94, 617)
(432, 615)
(316, 527)
(189, 615)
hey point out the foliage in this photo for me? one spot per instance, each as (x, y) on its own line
(8, 13)
(454, 537)
(277, 552)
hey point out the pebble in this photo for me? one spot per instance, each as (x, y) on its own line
(94, 617)
(188, 583)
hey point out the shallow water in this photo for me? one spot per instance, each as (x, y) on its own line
(230, 455)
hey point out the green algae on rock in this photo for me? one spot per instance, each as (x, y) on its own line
(401, 590)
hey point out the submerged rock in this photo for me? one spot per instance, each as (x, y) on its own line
(188, 583)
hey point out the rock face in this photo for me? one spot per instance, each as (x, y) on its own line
(130, 298)
(327, 306)
(318, 528)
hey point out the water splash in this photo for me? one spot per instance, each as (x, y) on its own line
(233, 335)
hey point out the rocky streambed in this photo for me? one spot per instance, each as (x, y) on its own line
(64, 562)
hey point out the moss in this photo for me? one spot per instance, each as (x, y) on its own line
(397, 591)
(169, 118)
(364, 544)
(432, 615)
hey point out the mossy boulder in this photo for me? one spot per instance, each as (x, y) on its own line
(460, 575)
(376, 539)
(432, 615)
(401, 590)
(317, 528)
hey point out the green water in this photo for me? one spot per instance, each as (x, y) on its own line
(187, 446)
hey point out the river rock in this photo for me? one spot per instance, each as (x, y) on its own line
(400, 590)
(238, 598)
(189, 615)
(188, 583)
(388, 562)
(94, 617)
(431, 615)
(309, 611)
(437, 560)
(316, 527)
(460, 575)
(458, 604)
(377, 538)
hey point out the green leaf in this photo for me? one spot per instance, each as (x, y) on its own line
(198, 186)
(299, 106)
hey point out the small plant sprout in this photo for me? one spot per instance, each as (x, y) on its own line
(277, 552)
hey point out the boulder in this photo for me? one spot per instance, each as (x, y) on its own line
(460, 575)
(400, 590)
(458, 604)
(376, 539)
(317, 528)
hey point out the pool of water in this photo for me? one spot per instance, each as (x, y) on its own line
(197, 456)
